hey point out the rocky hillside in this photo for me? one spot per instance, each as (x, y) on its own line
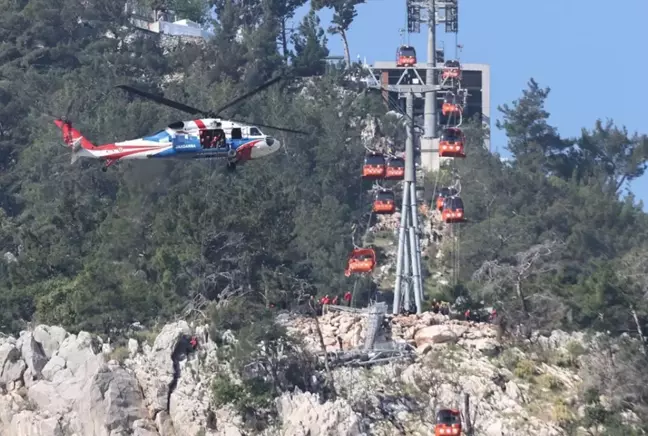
(55, 383)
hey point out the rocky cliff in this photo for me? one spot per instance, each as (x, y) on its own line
(54, 383)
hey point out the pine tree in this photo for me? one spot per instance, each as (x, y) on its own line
(310, 47)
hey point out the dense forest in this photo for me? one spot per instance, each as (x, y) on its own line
(554, 239)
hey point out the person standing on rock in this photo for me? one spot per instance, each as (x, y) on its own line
(347, 298)
(325, 304)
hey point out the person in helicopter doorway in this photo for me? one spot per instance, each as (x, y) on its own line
(220, 139)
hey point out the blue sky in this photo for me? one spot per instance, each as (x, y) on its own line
(588, 52)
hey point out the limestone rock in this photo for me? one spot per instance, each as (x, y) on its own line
(50, 338)
(110, 400)
(53, 383)
(302, 414)
(438, 334)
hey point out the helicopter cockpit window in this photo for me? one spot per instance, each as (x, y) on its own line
(236, 133)
(255, 132)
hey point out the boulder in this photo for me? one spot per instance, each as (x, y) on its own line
(438, 334)
(50, 338)
(110, 400)
(303, 414)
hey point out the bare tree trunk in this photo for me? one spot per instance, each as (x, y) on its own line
(639, 329)
(347, 54)
(329, 374)
(518, 290)
(284, 39)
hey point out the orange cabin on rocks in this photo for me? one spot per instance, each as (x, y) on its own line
(384, 202)
(361, 261)
(374, 166)
(453, 210)
(451, 143)
(395, 169)
(448, 422)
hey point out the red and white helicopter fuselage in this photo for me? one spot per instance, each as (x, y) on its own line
(207, 138)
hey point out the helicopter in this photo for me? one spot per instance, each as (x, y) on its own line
(203, 138)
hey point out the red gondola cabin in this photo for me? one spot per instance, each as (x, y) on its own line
(448, 422)
(449, 105)
(451, 70)
(395, 169)
(374, 166)
(451, 143)
(442, 195)
(361, 261)
(453, 210)
(405, 56)
(384, 202)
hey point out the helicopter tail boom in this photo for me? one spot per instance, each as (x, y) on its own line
(75, 140)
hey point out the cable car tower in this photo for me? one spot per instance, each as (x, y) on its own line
(409, 282)
(427, 11)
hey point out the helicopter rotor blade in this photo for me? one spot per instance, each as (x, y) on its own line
(249, 94)
(282, 129)
(162, 100)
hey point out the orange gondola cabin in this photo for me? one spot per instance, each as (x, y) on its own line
(405, 56)
(448, 422)
(395, 169)
(374, 166)
(443, 194)
(384, 202)
(451, 70)
(453, 210)
(451, 143)
(449, 105)
(361, 261)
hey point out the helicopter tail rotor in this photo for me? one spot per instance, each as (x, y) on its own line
(73, 139)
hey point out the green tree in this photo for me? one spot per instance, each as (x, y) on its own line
(310, 47)
(344, 12)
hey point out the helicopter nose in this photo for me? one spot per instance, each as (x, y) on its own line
(264, 148)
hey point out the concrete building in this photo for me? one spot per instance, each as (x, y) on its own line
(164, 22)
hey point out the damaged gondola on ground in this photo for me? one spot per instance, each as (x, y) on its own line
(361, 261)
(453, 210)
(451, 143)
(374, 166)
(395, 169)
(448, 422)
(384, 202)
